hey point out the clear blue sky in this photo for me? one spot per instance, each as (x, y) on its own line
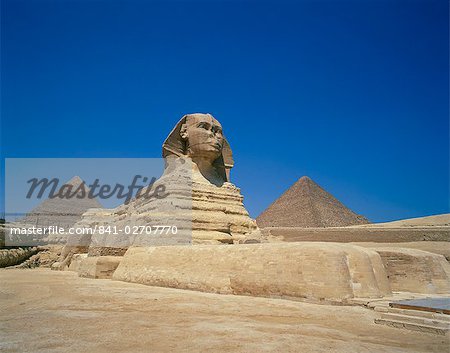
(353, 94)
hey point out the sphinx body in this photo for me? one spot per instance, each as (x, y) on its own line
(201, 201)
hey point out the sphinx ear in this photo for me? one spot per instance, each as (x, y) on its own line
(183, 132)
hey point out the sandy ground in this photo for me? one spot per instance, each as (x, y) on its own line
(48, 311)
(442, 220)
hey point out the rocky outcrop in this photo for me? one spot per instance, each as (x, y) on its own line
(12, 257)
(31, 257)
(46, 257)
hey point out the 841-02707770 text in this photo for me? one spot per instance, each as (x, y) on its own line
(98, 229)
(158, 229)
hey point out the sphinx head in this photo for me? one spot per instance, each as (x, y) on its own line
(200, 137)
(203, 136)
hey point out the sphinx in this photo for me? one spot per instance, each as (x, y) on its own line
(202, 203)
(219, 215)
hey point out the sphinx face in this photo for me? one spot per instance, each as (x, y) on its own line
(204, 135)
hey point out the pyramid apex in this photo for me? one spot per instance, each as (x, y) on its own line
(305, 178)
(75, 180)
(305, 181)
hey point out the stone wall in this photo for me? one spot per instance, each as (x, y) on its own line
(357, 234)
(317, 271)
(417, 271)
(12, 257)
(100, 267)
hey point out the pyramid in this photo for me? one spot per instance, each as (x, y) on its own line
(60, 211)
(306, 204)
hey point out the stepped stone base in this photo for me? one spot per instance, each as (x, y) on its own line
(404, 322)
(414, 320)
(317, 271)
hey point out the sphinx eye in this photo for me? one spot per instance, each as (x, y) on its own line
(203, 125)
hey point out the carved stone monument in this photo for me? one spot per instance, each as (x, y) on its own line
(217, 209)
(202, 202)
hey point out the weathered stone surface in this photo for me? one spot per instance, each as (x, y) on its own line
(46, 257)
(218, 213)
(435, 247)
(414, 324)
(76, 244)
(202, 199)
(75, 264)
(98, 266)
(12, 257)
(306, 204)
(317, 271)
(417, 271)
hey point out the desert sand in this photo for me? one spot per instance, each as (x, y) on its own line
(48, 311)
(441, 220)
(436, 247)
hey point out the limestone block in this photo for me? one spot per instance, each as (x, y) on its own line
(416, 271)
(98, 266)
(76, 262)
(321, 271)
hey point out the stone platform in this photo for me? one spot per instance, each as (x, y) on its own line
(315, 271)
(420, 316)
